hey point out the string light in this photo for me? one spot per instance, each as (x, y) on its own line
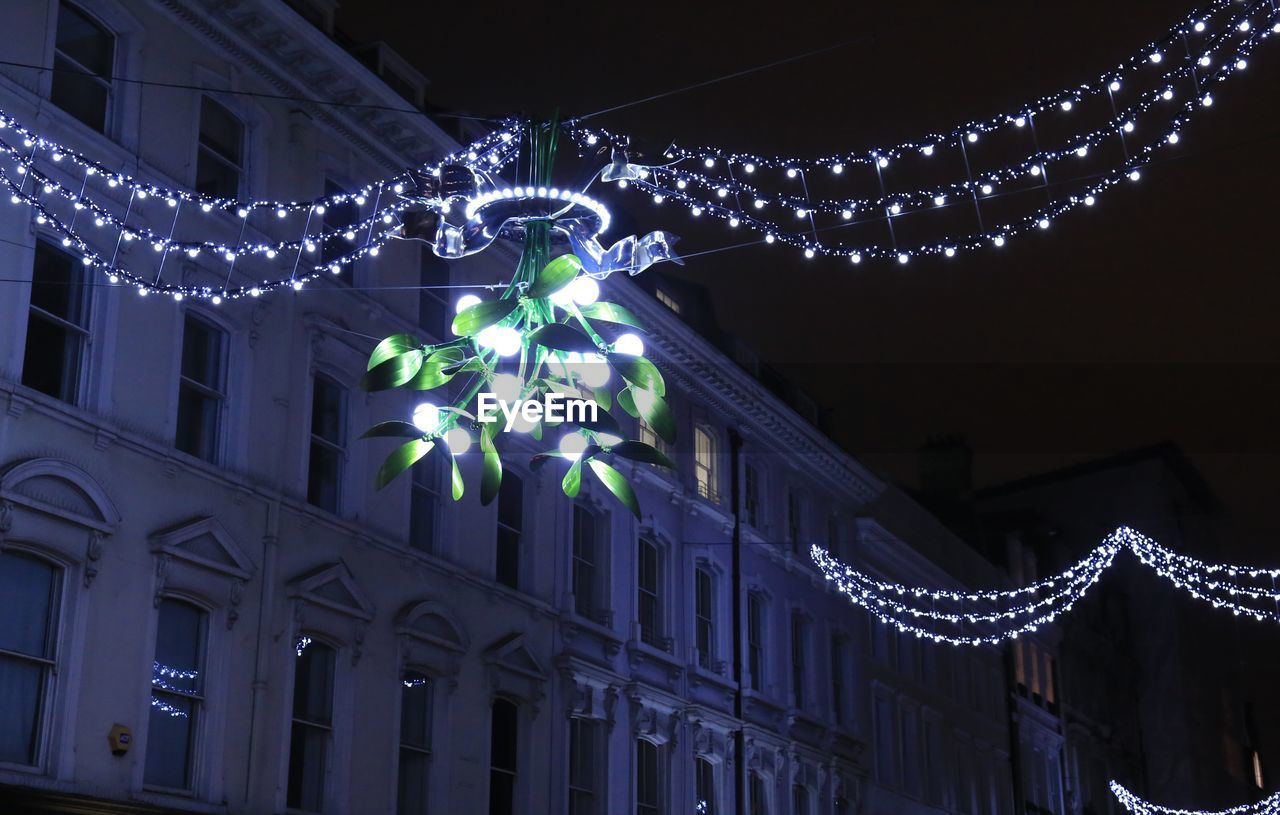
(1134, 804)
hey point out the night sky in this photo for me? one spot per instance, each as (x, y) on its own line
(1150, 317)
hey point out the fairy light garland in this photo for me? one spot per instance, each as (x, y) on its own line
(904, 607)
(1136, 805)
(163, 677)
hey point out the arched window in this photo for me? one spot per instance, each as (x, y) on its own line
(312, 727)
(177, 694)
(502, 757)
(29, 600)
(415, 743)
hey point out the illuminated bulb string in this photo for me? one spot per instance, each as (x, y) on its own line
(995, 616)
(161, 677)
(1194, 24)
(1136, 805)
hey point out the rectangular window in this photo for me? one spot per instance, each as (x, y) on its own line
(29, 602)
(649, 778)
(510, 525)
(667, 300)
(502, 758)
(584, 562)
(755, 641)
(649, 436)
(338, 221)
(415, 744)
(704, 618)
(704, 463)
(799, 800)
(424, 506)
(583, 755)
(312, 727)
(201, 388)
(434, 313)
(219, 151)
(795, 521)
(705, 780)
(757, 795)
(837, 679)
(83, 63)
(328, 443)
(751, 496)
(57, 324)
(177, 694)
(799, 632)
(648, 581)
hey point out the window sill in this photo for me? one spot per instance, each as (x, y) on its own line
(176, 800)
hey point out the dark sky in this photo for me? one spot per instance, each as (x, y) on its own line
(1149, 318)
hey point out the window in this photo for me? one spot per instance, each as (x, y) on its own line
(177, 695)
(751, 496)
(795, 520)
(704, 619)
(799, 800)
(583, 755)
(424, 505)
(886, 750)
(502, 758)
(57, 324)
(201, 388)
(755, 641)
(584, 562)
(434, 311)
(648, 585)
(837, 678)
(415, 743)
(705, 781)
(219, 151)
(649, 778)
(312, 726)
(328, 443)
(704, 463)
(510, 522)
(29, 600)
(757, 796)
(1258, 779)
(799, 632)
(649, 436)
(667, 300)
(83, 62)
(339, 216)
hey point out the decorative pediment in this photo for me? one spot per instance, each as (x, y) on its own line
(431, 622)
(60, 489)
(206, 544)
(333, 587)
(514, 671)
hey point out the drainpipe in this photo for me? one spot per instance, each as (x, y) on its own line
(261, 657)
(739, 738)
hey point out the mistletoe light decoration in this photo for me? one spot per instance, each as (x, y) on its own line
(542, 341)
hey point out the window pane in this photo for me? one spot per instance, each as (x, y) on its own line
(647, 782)
(306, 767)
(57, 283)
(510, 520)
(313, 684)
(197, 432)
(584, 561)
(180, 645)
(323, 474)
(202, 353)
(411, 797)
(511, 501)
(502, 758)
(83, 40)
(21, 693)
(423, 506)
(198, 403)
(706, 782)
(54, 347)
(84, 97)
(327, 403)
(170, 727)
(415, 711)
(215, 175)
(220, 131)
(26, 605)
(582, 766)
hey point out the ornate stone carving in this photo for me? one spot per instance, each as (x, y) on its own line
(162, 573)
(357, 643)
(234, 596)
(6, 520)
(93, 553)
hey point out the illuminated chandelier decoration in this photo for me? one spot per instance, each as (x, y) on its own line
(546, 340)
(991, 617)
(1134, 804)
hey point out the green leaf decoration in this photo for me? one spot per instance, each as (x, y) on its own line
(562, 337)
(455, 473)
(401, 459)
(393, 429)
(555, 276)
(610, 313)
(617, 484)
(473, 320)
(432, 373)
(640, 372)
(573, 479)
(392, 346)
(603, 398)
(539, 460)
(644, 453)
(628, 403)
(657, 414)
(603, 423)
(535, 432)
(491, 475)
(393, 372)
(474, 364)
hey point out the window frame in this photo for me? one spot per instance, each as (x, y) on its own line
(419, 491)
(589, 562)
(513, 772)
(514, 557)
(202, 390)
(84, 73)
(327, 759)
(339, 447)
(654, 635)
(799, 626)
(706, 473)
(46, 703)
(756, 648)
(84, 333)
(752, 506)
(575, 790)
(704, 772)
(427, 750)
(201, 148)
(660, 778)
(198, 699)
(704, 619)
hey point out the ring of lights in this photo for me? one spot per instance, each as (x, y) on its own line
(505, 211)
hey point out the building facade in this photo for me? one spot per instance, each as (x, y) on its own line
(206, 606)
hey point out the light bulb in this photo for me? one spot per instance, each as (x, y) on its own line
(629, 344)
(426, 417)
(928, 150)
(1156, 57)
(1167, 95)
(1066, 106)
(986, 189)
(584, 290)
(999, 241)
(594, 371)
(503, 339)
(972, 137)
(459, 441)
(506, 387)
(1134, 175)
(1035, 169)
(1173, 138)
(1044, 223)
(884, 162)
(572, 446)
(902, 258)
(939, 200)
(1089, 200)
(608, 439)
(1115, 85)
(855, 258)
(949, 251)
(751, 168)
(465, 302)
(1021, 121)
(1207, 101)
(563, 296)
(521, 424)
(791, 172)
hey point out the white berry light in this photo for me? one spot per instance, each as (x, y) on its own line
(465, 302)
(459, 441)
(426, 417)
(584, 290)
(572, 445)
(629, 344)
